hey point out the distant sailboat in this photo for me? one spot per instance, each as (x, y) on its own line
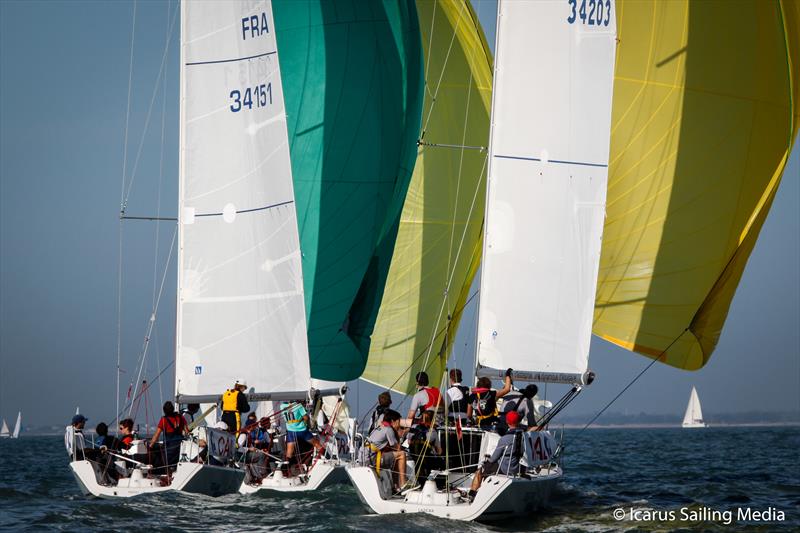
(17, 426)
(694, 415)
(4, 433)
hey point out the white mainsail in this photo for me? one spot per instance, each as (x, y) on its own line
(548, 171)
(240, 284)
(4, 430)
(17, 426)
(693, 418)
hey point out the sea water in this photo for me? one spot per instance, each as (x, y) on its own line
(723, 479)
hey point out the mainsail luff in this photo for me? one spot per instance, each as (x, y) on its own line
(240, 287)
(548, 169)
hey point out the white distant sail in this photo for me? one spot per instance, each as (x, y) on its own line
(548, 170)
(4, 430)
(694, 415)
(78, 410)
(17, 426)
(241, 311)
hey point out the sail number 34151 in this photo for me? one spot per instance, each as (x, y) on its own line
(258, 96)
(591, 12)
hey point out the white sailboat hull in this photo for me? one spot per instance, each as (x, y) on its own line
(324, 474)
(693, 425)
(499, 496)
(188, 477)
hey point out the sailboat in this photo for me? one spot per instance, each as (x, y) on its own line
(4, 432)
(679, 227)
(693, 418)
(547, 174)
(17, 426)
(240, 286)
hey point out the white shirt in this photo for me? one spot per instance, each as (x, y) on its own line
(73, 438)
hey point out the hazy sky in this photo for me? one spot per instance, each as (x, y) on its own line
(63, 93)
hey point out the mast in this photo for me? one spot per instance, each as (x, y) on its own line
(546, 189)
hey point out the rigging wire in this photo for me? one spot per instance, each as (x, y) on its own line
(640, 374)
(161, 71)
(152, 320)
(158, 200)
(121, 202)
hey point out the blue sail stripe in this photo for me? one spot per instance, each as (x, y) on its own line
(248, 210)
(231, 60)
(581, 163)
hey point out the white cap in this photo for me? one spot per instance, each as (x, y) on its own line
(241, 382)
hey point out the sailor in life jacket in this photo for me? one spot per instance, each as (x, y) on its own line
(234, 403)
(384, 403)
(483, 401)
(385, 452)
(426, 399)
(456, 398)
(522, 403)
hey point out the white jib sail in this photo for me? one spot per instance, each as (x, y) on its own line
(4, 429)
(17, 426)
(694, 414)
(240, 284)
(548, 170)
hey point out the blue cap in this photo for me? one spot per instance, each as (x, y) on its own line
(78, 418)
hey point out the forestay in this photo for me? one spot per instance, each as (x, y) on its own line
(240, 284)
(548, 171)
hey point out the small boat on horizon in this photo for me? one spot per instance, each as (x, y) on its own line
(693, 418)
(5, 433)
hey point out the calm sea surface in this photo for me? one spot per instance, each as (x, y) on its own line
(650, 471)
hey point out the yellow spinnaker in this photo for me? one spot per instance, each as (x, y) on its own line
(439, 241)
(704, 118)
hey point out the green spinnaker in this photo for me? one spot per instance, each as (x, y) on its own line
(352, 79)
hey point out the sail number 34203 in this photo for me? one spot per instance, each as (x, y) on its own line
(258, 96)
(590, 12)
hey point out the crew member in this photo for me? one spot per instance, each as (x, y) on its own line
(385, 450)
(483, 401)
(426, 399)
(173, 427)
(296, 418)
(506, 456)
(384, 403)
(523, 404)
(456, 398)
(424, 446)
(234, 403)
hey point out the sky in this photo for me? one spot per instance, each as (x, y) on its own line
(64, 70)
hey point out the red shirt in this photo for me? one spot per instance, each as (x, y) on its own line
(172, 425)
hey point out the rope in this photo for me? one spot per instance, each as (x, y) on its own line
(458, 254)
(158, 199)
(640, 374)
(152, 320)
(444, 67)
(121, 201)
(161, 70)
